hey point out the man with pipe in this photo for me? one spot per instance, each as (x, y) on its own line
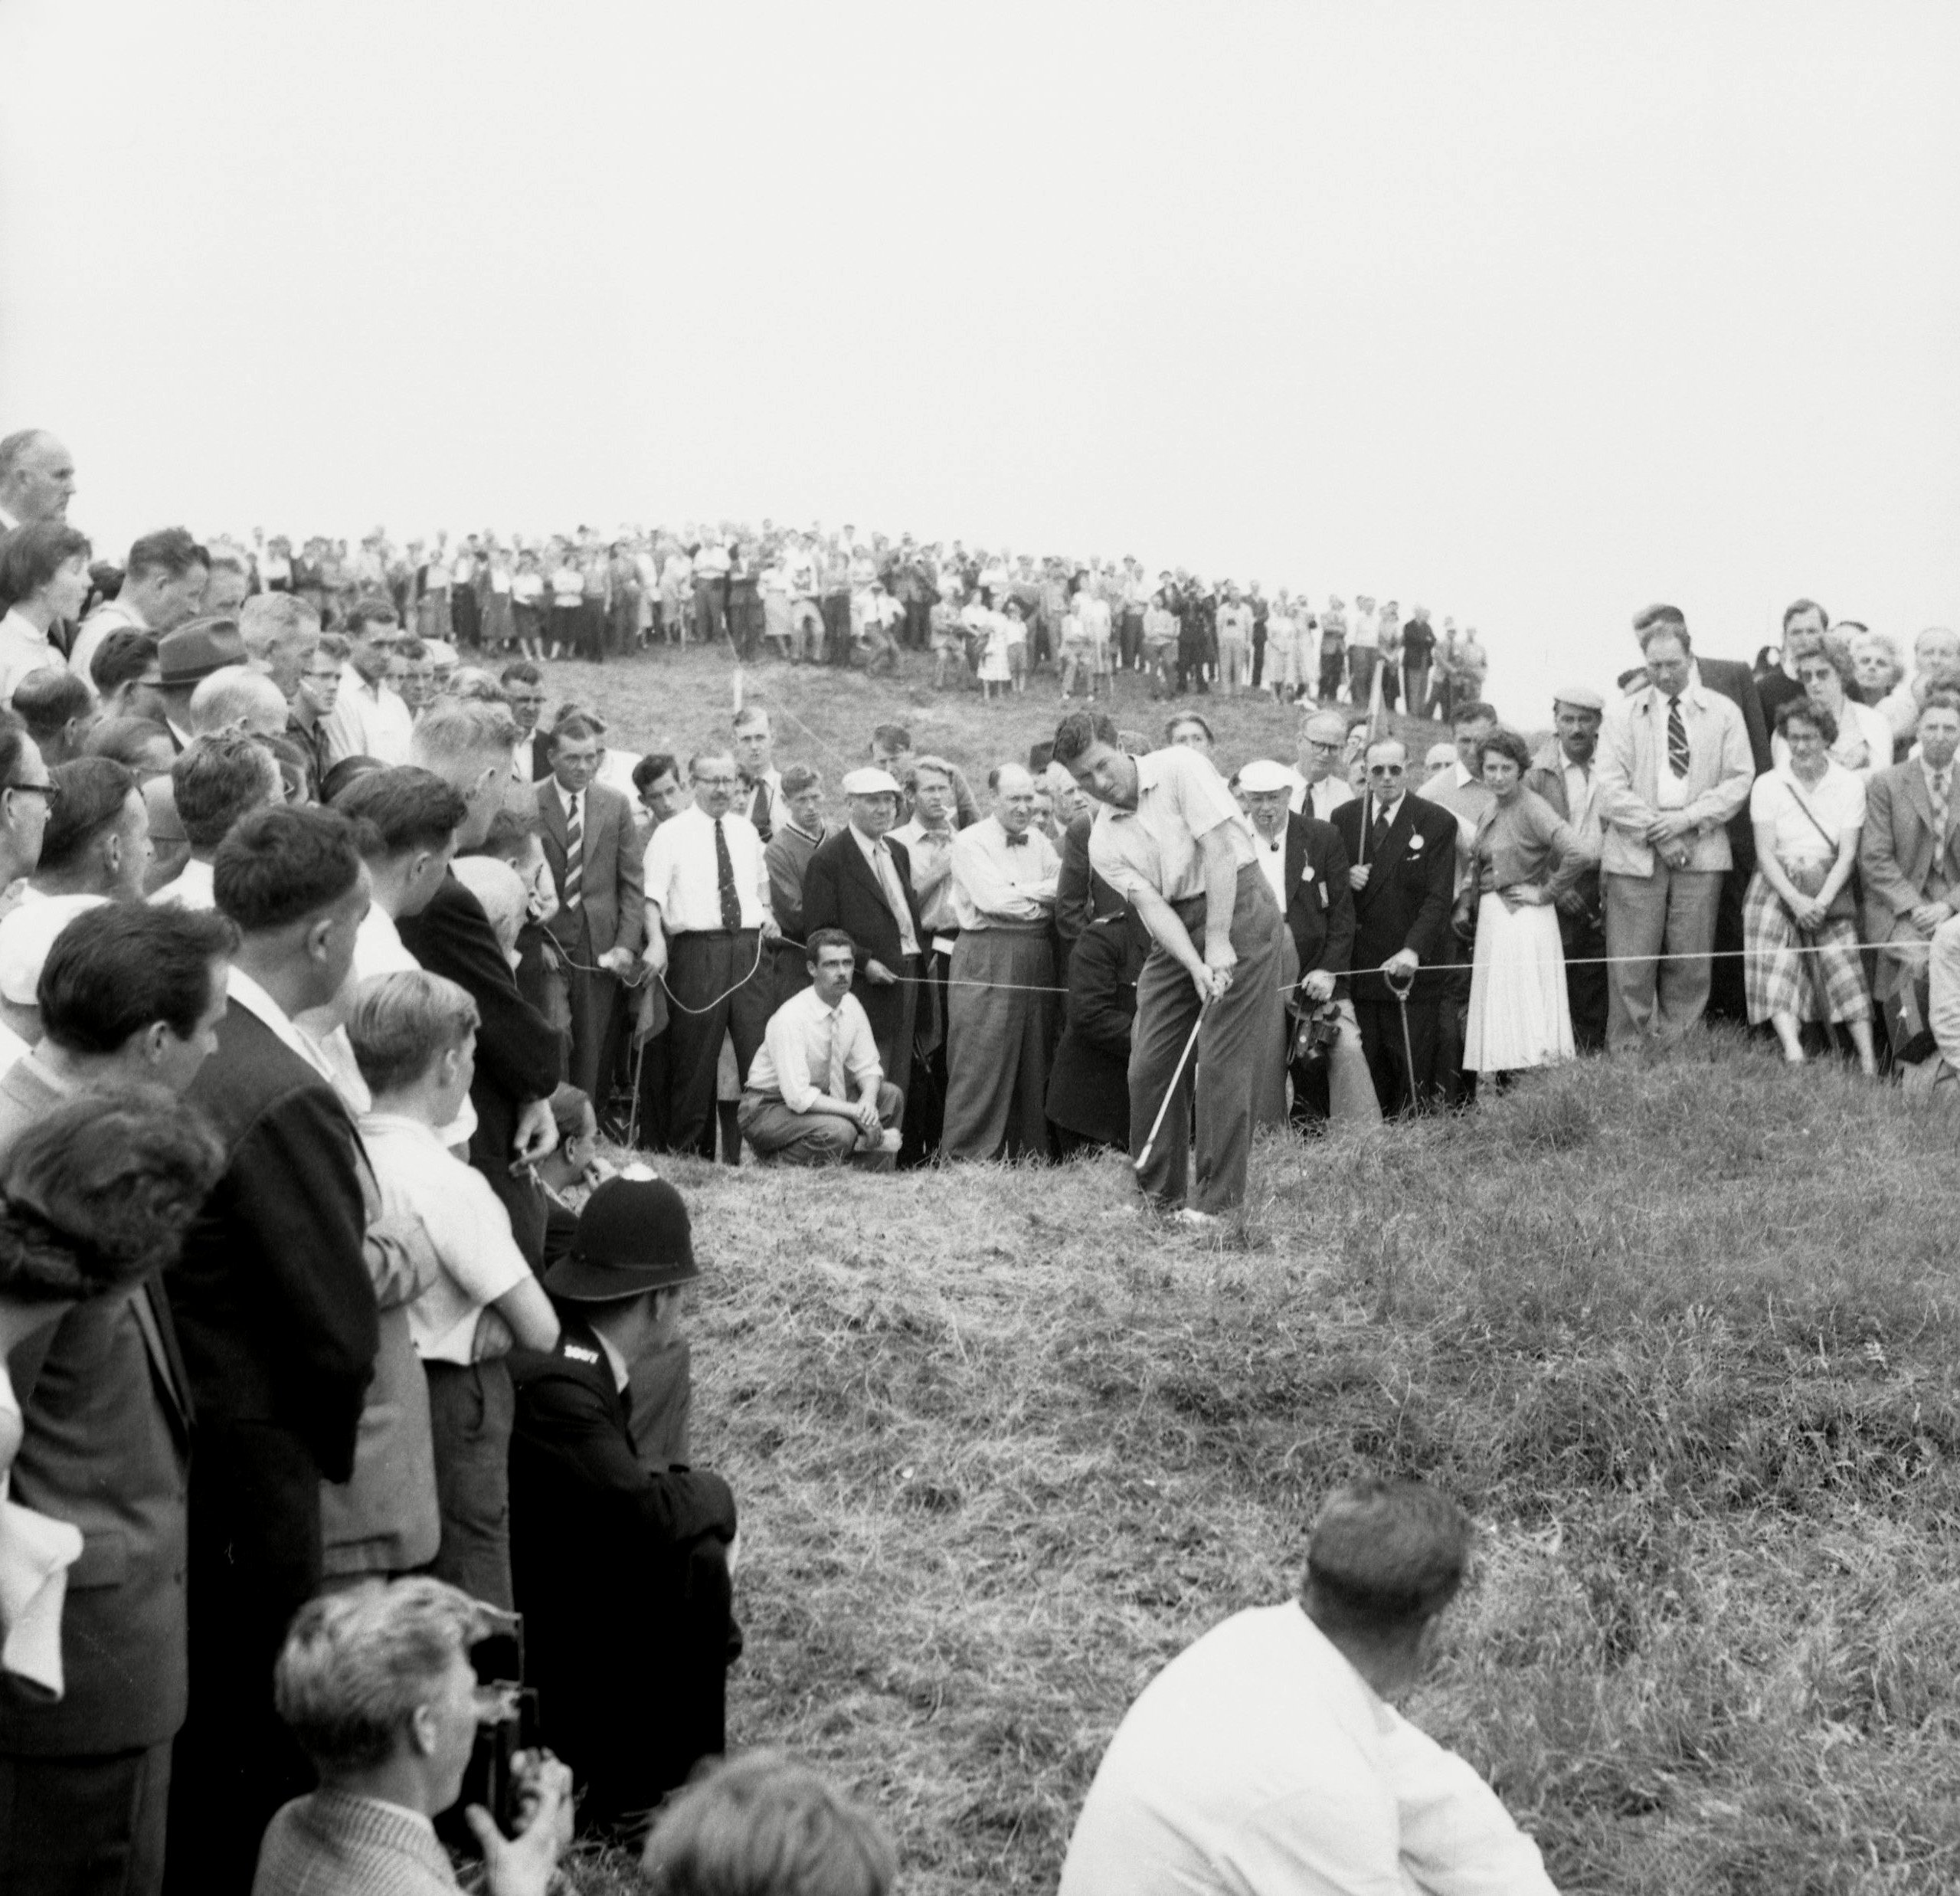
(1169, 837)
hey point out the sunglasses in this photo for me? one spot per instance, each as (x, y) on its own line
(1385, 770)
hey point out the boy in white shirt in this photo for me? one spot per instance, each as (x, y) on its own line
(414, 1036)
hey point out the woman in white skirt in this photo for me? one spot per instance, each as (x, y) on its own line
(1526, 859)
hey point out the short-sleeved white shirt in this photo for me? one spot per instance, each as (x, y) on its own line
(468, 1230)
(1180, 797)
(1838, 802)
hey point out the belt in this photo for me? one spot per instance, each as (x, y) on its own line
(711, 935)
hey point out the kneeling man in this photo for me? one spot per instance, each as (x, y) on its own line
(1264, 1761)
(816, 1094)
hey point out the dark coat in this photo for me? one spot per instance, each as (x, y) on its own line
(1736, 683)
(1319, 906)
(1412, 883)
(1089, 1084)
(272, 1299)
(105, 1445)
(840, 891)
(519, 1052)
(622, 1577)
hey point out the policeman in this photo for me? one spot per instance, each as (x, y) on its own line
(622, 1573)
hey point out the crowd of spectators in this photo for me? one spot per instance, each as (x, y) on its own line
(332, 1349)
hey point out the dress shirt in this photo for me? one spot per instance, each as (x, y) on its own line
(930, 850)
(1180, 798)
(567, 587)
(1234, 622)
(246, 993)
(368, 720)
(793, 1064)
(878, 853)
(1364, 631)
(377, 948)
(464, 1222)
(1260, 1762)
(1579, 785)
(1272, 864)
(682, 878)
(711, 562)
(1323, 799)
(616, 1359)
(996, 879)
(190, 888)
(1801, 820)
(24, 648)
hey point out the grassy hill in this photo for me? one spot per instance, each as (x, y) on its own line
(1683, 1335)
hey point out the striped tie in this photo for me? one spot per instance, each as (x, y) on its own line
(1677, 739)
(572, 893)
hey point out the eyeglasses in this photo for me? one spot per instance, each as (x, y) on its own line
(51, 791)
(1385, 770)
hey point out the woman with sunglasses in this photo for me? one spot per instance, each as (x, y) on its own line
(1824, 666)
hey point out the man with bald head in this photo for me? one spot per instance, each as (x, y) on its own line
(1000, 1014)
(1322, 752)
(37, 478)
(1935, 654)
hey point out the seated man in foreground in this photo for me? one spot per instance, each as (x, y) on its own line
(798, 1107)
(1262, 1760)
(377, 1686)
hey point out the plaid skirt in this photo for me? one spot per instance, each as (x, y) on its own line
(1783, 971)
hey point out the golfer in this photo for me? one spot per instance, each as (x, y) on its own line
(1170, 838)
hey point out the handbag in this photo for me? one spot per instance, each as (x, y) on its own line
(1809, 877)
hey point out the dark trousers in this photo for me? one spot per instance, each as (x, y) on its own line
(465, 615)
(567, 623)
(586, 1007)
(1380, 1022)
(254, 1561)
(714, 993)
(925, 1102)
(834, 609)
(1584, 938)
(84, 1826)
(654, 1088)
(471, 1409)
(711, 609)
(1129, 641)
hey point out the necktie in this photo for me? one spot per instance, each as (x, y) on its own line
(1677, 739)
(1018, 842)
(1382, 820)
(835, 1085)
(724, 880)
(1941, 808)
(572, 892)
(758, 809)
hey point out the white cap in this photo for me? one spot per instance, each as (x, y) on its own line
(870, 781)
(27, 934)
(1262, 775)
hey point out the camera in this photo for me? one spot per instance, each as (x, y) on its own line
(507, 1724)
(1317, 1033)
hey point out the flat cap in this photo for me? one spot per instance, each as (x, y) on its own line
(1262, 775)
(1580, 697)
(869, 780)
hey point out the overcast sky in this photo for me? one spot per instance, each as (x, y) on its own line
(1534, 312)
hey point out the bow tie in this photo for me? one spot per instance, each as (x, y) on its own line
(1018, 842)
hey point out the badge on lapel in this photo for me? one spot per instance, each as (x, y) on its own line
(1416, 843)
(1306, 872)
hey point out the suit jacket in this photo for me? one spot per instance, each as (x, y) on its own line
(1319, 904)
(1633, 743)
(1089, 1085)
(518, 1052)
(105, 1445)
(271, 1294)
(1737, 683)
(1899, 852)
(839, 891)
(1411, 884)
(610, 877)
(331, 1841)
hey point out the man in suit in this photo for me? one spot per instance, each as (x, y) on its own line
(1909, 856)
(524, 691)
(274, 1303)
(468, 743)
(1402, 850)
(1566, 773)
(622, 1574)
(587, 834)
(1322, 762)
(1304, 861)
(128, 993)
(709, 922)
(761, 798)
(1674, 768)
(861, 881)
(1731, 678)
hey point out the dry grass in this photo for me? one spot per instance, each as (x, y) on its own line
(1683, 1335)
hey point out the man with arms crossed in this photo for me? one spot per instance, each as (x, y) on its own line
(1170, 838)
